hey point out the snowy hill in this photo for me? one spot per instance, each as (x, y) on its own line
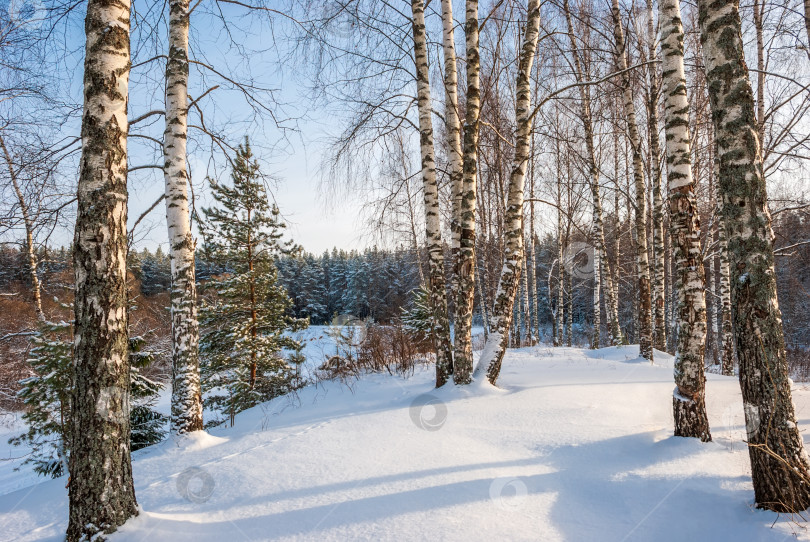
(576, 445)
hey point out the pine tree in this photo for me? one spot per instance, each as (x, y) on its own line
(246, 319)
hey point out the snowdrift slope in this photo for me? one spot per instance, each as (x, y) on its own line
(576, 445)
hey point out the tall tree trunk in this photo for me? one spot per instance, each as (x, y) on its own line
(430, 188)
(101, 494)
(642, 258)
(807, 21)
(779, 463)
(569, 314)
(598, 232)
(524, 290)
(28, 223)
(514, 257)
(465, 263)
(726, 318)
(759, 31)
(534, 315)
(689, 398)
(659, 306)
(453, 141)
(186, 393)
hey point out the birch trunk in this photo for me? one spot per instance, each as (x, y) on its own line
(642, 258)
(689, 397)
(807, 20)
(430, 188)
(779, 463)
(569, 316)
(186, 411)
(514, 257)
(453, 139)
(659, 306)
(727, 325)
(598, 232)
(524, 287)
(465, 263)
(28, 223)
(101, 492)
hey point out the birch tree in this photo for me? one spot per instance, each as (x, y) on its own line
(659, 306)
(514, 257)
(465, 263)
(642, 258)
(779, 463)
(598, 232)
(186, 394)
(28, 223)
(430, 189)
(689, 397)
(101, 492)
(453, 137)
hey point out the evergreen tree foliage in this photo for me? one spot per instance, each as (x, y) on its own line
(418, 317)
(245, 318)
(155, 272)
(147, 426)
(47, 399)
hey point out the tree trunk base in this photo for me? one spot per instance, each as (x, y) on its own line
(781, 484)
(691, 419)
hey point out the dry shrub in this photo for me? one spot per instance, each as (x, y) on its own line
(799, 364)
(387, 348)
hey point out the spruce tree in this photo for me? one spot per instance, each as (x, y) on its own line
(246, 314)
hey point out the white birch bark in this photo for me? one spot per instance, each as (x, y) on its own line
(186, 408)
(430, 189)
(453, 137)
(659, 306)
(514, 257)
(28, 223)
(101, 492)
(689, 397)
(465, 263)
(779, 463)
(645, 338)
(598, 232)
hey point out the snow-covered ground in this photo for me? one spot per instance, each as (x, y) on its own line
(576, 445)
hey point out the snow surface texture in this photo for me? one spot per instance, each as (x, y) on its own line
(576, 445)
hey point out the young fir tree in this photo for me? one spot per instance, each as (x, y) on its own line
(47, 399)
(245, 321)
